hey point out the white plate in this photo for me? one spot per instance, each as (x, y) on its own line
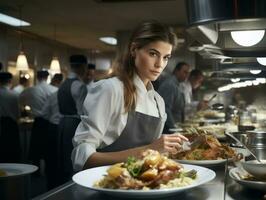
(88, 177)
(17, 169)
(233, 173)
(212, 121)
(202, 162)
(175, 130)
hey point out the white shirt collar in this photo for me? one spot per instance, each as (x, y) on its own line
(140, 85)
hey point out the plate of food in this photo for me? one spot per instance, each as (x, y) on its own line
(150, 175)
(208, 152)
(244, 178)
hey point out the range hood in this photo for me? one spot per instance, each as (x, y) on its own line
(210, 23)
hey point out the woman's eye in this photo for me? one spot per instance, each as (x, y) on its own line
(166, 58)
(152, 54)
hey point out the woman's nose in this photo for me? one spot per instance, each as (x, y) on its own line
(159, 63)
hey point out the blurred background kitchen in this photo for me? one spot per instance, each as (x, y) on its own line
(224, 39)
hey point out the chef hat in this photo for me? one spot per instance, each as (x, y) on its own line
(42, 73)
(5, 77)
(91, 66)
(78, 59)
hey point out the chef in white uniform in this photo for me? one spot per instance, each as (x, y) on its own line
(193, 82)
(10, 147)
(124, 115)
(35, 97)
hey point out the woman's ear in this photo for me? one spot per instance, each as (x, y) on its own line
(133, 48)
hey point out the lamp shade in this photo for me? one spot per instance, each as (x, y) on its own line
(22, 63)
(55, 66)
(247, 38)
(262, 60)
(255, 71)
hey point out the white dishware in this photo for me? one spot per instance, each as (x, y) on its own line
(16, 169)
(255, 168)
(238, 173)
(87, 178)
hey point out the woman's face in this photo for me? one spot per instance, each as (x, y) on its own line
(151, 60)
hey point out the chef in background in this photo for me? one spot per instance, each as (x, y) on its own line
(35, 97)
(10, 147)
(171, 91)
(189, 86)
(71, 95)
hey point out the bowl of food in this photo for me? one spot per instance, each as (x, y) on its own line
(255, 168)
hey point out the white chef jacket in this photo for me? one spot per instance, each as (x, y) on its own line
(50, 109)
(105, 117)
(19, 88)
(190, 105)
(36, 96)
(9, 106)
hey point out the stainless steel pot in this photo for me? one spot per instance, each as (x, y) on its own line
(260, 152)
(15, 181)
(256, 138)
(257, 143)
(241, 136)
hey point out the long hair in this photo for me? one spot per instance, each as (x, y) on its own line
(124, 66)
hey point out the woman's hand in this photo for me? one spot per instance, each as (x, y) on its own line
(171, 143)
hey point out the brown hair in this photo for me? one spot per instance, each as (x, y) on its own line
(124, 66)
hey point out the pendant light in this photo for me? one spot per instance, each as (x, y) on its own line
(247, 38)
(55, 65)
(262, 60)
(22, 63)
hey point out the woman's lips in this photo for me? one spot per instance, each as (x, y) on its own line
(155, 72)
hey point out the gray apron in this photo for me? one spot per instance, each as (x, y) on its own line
(141, 129)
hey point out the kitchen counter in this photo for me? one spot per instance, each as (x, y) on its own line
(213, 190)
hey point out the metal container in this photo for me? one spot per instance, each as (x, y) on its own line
(260, 152)
(241, 136)
(15, 181)
(256, 139)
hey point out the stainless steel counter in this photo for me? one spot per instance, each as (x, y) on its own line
(213, 190)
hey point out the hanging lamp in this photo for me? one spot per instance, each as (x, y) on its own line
(22, 63)
(55, 65)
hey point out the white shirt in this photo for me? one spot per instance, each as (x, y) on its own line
(18, 89)
(191, 106)
(50, 109)
(36, 96)
(105, 119)
(9, 106)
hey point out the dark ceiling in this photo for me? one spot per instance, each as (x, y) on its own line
(80, 23)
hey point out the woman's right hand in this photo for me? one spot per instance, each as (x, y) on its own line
(171, 143)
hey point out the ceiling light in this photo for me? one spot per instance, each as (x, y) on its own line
(22, 63)
(109, 40)
(55, 66)
(247, 38)
(27, 76)
(262, 60)
(234, 80)
(12, 20)
(257, 71)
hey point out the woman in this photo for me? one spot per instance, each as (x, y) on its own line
(123, 114)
